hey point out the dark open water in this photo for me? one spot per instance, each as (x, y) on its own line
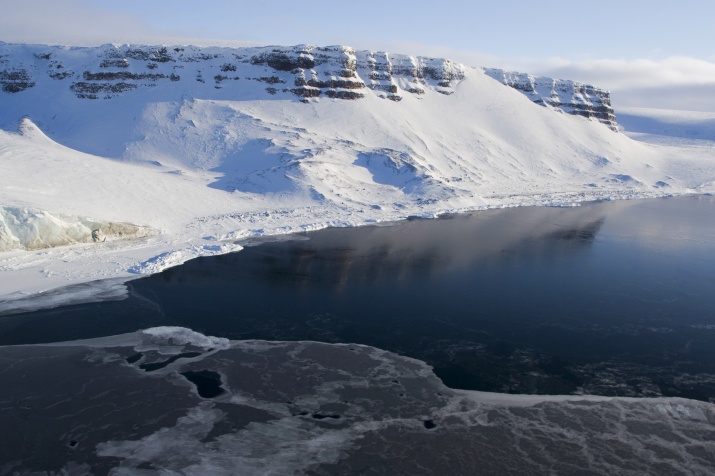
(612, 298)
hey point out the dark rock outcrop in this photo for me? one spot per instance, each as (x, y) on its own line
(381, 68)
(15, 80)
(565, 95)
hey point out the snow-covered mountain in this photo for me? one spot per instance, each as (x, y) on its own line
(306, 71)
(204, 145)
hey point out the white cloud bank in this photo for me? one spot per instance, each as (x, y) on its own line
(669, 83)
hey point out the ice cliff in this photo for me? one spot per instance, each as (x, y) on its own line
(28, 229)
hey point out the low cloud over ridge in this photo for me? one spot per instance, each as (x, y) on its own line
(670, 83)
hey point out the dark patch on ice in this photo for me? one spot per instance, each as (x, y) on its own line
(134, 358)
(322, 416)
(429, 424)
(160, 365)
(208, 382)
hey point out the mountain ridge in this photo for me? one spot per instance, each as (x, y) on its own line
(306, 71)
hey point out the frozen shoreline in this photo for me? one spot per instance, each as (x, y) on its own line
(70, 282)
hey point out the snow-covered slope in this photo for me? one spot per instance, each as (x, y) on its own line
(213, 144)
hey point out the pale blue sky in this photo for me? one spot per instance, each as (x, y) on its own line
(649, 53)
(574, 30)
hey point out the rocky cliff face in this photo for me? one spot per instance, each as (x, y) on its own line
(302, 72)
(305, 71)
(569, 96)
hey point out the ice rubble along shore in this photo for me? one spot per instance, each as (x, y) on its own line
(209, 144)
(22, 228)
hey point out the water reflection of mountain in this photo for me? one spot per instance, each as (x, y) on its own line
(338, 257)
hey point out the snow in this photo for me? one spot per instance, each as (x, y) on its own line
(182, 336)
(203, 164)
(168, 259)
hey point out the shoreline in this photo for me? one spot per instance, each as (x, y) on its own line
(76, 286)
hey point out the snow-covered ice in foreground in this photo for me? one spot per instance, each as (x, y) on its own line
(314, 408)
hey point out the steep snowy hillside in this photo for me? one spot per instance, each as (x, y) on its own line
(205, 145)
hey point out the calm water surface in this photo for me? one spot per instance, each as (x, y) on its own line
(613, 298)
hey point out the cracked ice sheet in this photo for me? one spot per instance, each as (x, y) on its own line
(306, 407)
